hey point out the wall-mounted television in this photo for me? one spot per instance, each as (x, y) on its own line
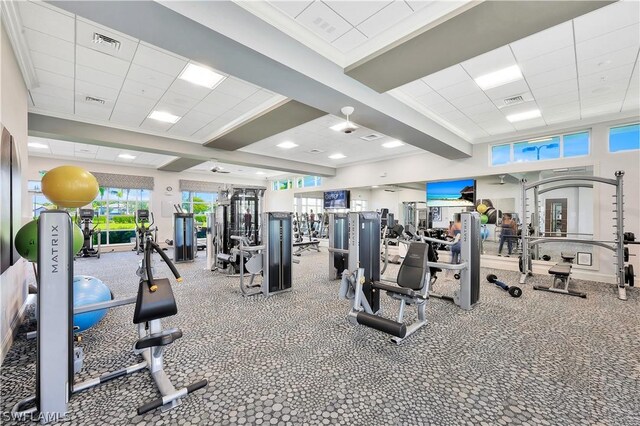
(460, 193)
(337, 199)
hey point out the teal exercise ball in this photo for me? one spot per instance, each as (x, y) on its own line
(87, 291)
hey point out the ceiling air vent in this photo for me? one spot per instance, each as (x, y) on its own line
(106, 41)
(95, 100)
(514, 100)
(371, 137)
(316, 151)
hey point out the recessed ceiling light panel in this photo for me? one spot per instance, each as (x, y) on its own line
(522, 116)
(337, 156)
(127, 156)
(392, 144)
(38, 145)
(260, 173)
(287, 145)
(164, 116)
(341, 127)
(499, 78)
(201, 76)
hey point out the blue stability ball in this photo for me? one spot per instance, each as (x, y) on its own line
(86, 291)
(484, 233)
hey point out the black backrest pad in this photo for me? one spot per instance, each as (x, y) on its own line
(413, 268)
(154, 305)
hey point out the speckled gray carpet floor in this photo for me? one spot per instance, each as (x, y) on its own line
(543, 359)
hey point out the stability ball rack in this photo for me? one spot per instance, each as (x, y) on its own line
(617, 245)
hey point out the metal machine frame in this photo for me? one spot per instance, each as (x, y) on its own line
(338, 239)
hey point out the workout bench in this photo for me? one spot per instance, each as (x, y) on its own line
(562, 277)
(303, 246)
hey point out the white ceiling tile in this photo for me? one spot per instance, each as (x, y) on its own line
(355, 12)
(446, 77)
(159, 60)
(543, 42)
(470, 100)
(603, 97)
(52, 64)
(245, 106)
(140, 89)
(261, 96)
(489, 62)
(93, 75)
(607, 77)
(96, 91)
(350, 40)
(415, 89)
(128, 115)
(85, 31)
(458, 90)
(611, 60)
(293, 7)
(85, 148)
(442, 107)
(566, 86)
(135, 101)
(217, 103)
(190, 123)
(47, 78)
(189, 89)
(236, 87)
(150, 77)
(431, 98)
(572, 106)
(179, 100)
(53, 91)
(51, 103)
(558, 99)
(552, 77)
(601, 109)
(492, 116)
(549, 61)
(94, 111)
(497, 128)
(44, 43)
(101, 61)
(419, 4)
(632, 101)
(323, 21)
(107, 154)
(517, 108)
(561, 117)
(602, 45)
(179, 110)
(601, 21)
(385, 18)
(59, 25)
(209, 129)
(485, 107)
(509, 90)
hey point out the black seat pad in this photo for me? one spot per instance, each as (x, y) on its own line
(567, 257)
(412, 271)
(154, 305)
(306, 243)
(394, 289)
(163, 338)
(561, 269)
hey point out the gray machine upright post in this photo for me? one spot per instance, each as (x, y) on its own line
(54, 378)
(278, 252)
(364, 244)
(469, 292)
(338, 239)
(619, 215)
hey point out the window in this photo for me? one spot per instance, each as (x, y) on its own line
(542, 149)
(305, 205)
(300, 182)
(199, 203)
(114, 209)
(624, 138)
(576, 144)
(358, 205)
(545, 149)
(500, 154)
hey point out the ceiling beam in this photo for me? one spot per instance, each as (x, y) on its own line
(75, 131)
(480, 29)
(226, 37)
(180, 164)
(271, 122)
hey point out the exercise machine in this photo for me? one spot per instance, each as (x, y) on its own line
(85, 222)
(467, 272)
(273, 260)
(184, 236)
(338, 239)
(411, 288)
(530, 242)
(58, 359)
(144, 224)
(301, 226)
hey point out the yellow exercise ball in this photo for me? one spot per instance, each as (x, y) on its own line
(69, 186)
(482, 208)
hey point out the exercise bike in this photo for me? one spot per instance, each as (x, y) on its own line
(85, 222)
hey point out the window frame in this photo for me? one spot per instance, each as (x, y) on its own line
(609, 138)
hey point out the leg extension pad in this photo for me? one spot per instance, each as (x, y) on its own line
(383, 324)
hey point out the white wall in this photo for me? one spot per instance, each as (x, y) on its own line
(13, 115)
(162, 180)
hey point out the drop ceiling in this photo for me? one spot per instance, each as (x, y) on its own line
(346, 30)
(128, 83)
(318, 135)
(581, 69)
